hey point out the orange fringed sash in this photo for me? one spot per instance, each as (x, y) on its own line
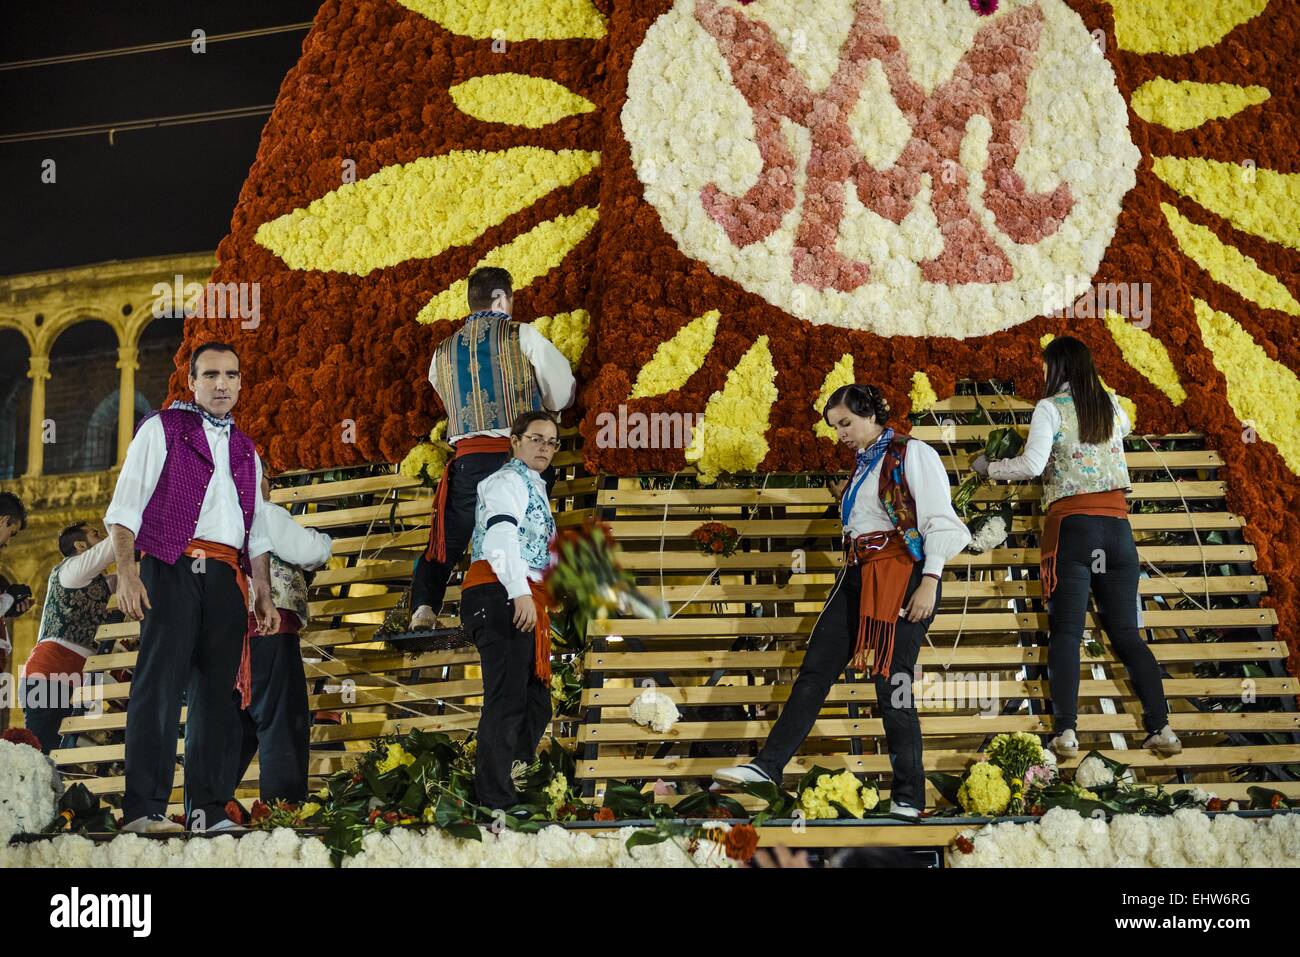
(437, 548)
(1112, 503)
(480, 573)
(885, 573)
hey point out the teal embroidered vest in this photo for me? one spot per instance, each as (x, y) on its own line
(536, 530)
(484, 379)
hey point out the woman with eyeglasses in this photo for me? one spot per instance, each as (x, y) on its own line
(1076, 442)
(899, 528)
(503, 607)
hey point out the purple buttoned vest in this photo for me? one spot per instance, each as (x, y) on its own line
(172, 514)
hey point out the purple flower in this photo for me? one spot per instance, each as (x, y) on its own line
(983, 7)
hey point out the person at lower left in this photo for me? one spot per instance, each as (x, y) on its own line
(504, 608)
(76, 604)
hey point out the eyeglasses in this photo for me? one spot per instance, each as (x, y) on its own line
(542, 441)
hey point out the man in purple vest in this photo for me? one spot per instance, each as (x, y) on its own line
(187, 499)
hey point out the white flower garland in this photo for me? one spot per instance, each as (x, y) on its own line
(1187, 838)
(400, 847)
(689, 126)
(29, 790)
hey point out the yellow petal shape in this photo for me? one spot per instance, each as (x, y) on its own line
(1186, 104)
(419, 209)
(1178, 26)
(922, 393)
(514, 19)
(1262, 392)
(1148, 355)
(1228, 265)
(518, 99)
(1261, 202)
(567, 331)
(840, 375)
(525, 257)
(732, 436)
(677, 359)
(1125, 403)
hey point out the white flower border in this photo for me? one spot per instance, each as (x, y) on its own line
(688, 126)
(400, 847)
(29, 790)
(1186, 838)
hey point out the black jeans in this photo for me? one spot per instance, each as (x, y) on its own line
(275, 725)
(190, 642)
(829, 649)
(516, 704)
(1097, 552)
(44, 708)
(429, 583)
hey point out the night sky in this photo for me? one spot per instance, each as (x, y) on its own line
(152, 192)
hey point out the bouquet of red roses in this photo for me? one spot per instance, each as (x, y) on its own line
(715, 538)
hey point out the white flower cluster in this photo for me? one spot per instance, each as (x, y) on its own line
(400, 847)
(991, 534)
(655, 710)
(29, 790)
(1093, 772)
(1187, 838)
(689, 126)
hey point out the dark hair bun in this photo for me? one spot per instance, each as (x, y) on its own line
(860, 399)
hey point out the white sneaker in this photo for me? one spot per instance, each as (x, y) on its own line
(226, 827)
(1164, 742)
(1065, 744)
(153, 824)
(905, 811)
(423, 619)
(742, 774)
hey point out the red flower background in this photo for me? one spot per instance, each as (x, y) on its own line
(372, 86)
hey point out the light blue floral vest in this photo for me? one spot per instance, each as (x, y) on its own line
(1077, 468)
(536, 530)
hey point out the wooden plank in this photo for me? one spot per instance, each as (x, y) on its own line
(952, 589)
(621, 768)
(945, 622)
(817, 560)
(641, 662)
(615, 700)
(820, 497)
(614, 732)
(654, 527)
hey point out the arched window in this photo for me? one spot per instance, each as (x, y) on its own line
(83, 367)
(15, 403)
(99, 450)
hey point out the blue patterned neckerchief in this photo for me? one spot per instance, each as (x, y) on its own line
(224, 422)
(867, 459)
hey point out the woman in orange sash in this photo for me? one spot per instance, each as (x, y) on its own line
(1076, 444)
(899, 528)
(503, 607)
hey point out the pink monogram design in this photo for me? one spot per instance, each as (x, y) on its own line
(990, 80)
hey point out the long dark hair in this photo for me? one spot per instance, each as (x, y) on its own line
(1070, 363)
(860, 399)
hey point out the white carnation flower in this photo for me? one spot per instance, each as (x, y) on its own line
(653, 709)
(1093, 772)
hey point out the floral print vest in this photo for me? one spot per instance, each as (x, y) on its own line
(1077, 468)
(74, 614)
(536, 530)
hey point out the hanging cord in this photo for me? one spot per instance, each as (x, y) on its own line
(714, 572)
(1191, 519)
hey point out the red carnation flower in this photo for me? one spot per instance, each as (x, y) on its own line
(21, 736)
(235, 812)
(605, 814)
(964, 844)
